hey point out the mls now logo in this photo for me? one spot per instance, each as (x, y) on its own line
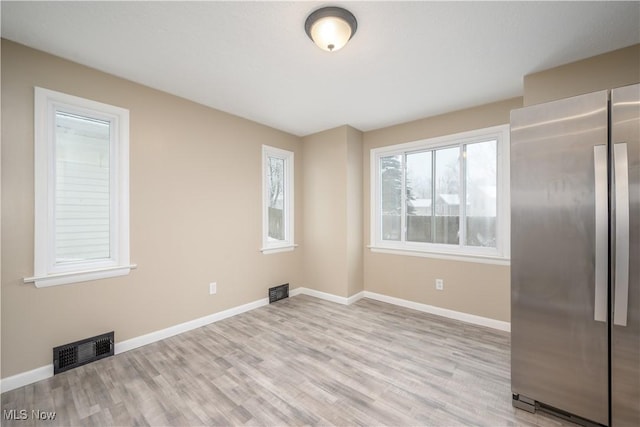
(23, 414)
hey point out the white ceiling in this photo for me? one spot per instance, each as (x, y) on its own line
(408, 60)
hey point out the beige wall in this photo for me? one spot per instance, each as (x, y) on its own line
(195, 183)
(613, 69)
(325, 261)
(354, 212)
(189, 226)
(474, 288)
(333, 211)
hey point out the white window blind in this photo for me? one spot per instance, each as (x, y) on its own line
(82, 196)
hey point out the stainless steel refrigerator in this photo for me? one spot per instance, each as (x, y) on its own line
(575, 257)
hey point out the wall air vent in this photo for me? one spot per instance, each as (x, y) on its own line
(81, 352)
(278, 292)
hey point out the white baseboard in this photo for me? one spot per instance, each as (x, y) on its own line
(295, 292)
(24, 378)
(44, 372)
(356, 297)
(444, 312)
(327, 296)
(152, 337)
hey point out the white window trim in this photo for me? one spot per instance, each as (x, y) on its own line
(499, 255)
(268, 245)
(46, 273)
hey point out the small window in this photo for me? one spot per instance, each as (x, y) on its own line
(277, 205)
(445, 197)
(81, 189)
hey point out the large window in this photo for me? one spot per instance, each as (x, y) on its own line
(81, 189)
(444, 197)
(277, 196)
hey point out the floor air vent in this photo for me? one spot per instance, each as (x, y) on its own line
(81, 352)
(278, 292)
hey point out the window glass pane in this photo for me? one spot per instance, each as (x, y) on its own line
(447, 196)
(82, 198)
(391, 196)
(481, 183)
(276, 189)
(419, 199)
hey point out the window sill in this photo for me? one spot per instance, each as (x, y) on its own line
(79, 276)
(482, 259)
(277, 249)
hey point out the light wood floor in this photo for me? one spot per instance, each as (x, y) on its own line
(300, 361)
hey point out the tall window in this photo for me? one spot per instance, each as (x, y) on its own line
(81, 189)
(277, 209)
(444, 196)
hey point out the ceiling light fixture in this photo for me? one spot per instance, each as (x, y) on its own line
(331, 27)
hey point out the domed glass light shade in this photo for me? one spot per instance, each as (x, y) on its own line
(331, 28)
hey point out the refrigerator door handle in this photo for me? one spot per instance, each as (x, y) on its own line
(601, 232)
(621, 281)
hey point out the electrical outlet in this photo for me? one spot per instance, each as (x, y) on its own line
(213, 288)
(439, 284)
